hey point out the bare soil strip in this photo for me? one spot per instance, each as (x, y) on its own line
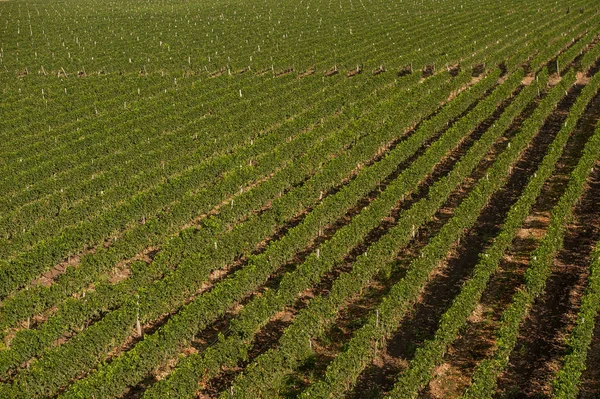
(590, 380)
(351, 318)
(477, 339)
(271, 333)
(447, 283)
(541, 343)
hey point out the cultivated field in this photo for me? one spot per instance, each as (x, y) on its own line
(299, 199)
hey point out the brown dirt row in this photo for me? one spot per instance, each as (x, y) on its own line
(354, 315)
(447, 279)
(209, 336)
(589, 387)
(271, 333)
(594, 69)
(541, 342)
(121, 273)
(477, 339)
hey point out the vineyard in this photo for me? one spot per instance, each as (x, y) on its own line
(299, 199)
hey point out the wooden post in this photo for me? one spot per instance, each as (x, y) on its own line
(138, 326)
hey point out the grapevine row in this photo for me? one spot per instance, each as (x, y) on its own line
(485, 376)
(431, 353)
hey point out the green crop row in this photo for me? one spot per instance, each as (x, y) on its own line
(431, 353)
(566, 383)
(540, 266)
(194, 245)
(347, 366)
(133, 365)
(258, 312)
(151, 167)
(270, 369)
(27, 303)
(163, 296)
